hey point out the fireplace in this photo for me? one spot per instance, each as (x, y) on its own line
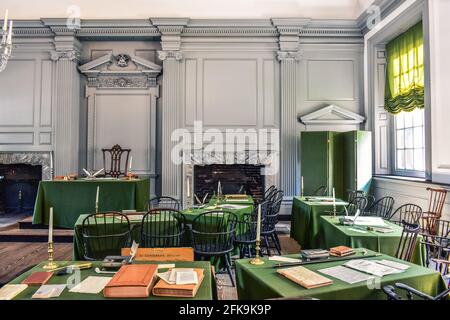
(18, 187)
(235, 178)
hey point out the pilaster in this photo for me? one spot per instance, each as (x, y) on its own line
(66, 97)
(289, 55)
(170, 29)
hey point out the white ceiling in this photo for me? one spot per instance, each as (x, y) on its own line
(142, 9)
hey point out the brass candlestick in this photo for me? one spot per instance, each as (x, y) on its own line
(257, 261)
(50, 264)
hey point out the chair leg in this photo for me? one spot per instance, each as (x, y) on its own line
(266, 240)
(276, 241)
(228, 266)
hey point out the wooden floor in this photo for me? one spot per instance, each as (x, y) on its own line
(17, 257)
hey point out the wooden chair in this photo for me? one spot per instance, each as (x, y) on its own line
(408, 241)
(409, 212)
(410, 292)
(114, 157)
(321, 191)
(381, 208)
(213, 234)
(162, 228)
(105, 234)
(268, 230)
(435, 207)
(436, 243)
(164, 202)
(245, 238)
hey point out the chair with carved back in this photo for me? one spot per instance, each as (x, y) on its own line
(408, 241)
(436, 244)
(435, 207)
(409, 212)
(115, 161)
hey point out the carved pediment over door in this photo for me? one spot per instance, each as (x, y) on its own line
(121, 71)
(332, 115)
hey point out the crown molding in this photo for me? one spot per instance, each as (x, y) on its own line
(386, 7)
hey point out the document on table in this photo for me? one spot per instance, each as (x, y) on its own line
(284, 259)
(371, 267)
(393, 264)
(49, 291)
(233, 206)
(369, 221)
(91, 284)
(346, 274)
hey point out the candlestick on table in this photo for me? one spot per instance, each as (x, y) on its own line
(257, 260)
(50, 265)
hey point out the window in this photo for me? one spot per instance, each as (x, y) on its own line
(410, 143)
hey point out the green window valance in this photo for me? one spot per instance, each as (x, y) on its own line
(405, 71)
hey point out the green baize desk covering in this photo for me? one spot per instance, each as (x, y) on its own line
(204, 292)
(70, 199)
(263, 282)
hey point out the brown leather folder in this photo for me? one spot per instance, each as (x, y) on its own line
(132, 281)
(164, 289)
(341, 251)
(37, 278)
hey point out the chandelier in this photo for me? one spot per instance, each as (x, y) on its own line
(6, 42)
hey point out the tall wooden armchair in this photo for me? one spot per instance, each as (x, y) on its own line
(115, 161)
(434, 213)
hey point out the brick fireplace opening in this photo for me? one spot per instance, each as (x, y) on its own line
(18, 187)
(234, 178)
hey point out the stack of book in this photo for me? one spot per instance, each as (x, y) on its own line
(314, 254)
(179, 282)
(305, 277)
(341, 251)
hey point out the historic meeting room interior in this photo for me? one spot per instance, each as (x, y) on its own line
(224, 150)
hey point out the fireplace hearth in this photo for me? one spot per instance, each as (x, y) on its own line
(18, 187)
(235, 178)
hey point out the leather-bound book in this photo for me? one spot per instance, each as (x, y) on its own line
(163, 289)
(341, 251)
(132, 281)
(305, 277)
(37, 278)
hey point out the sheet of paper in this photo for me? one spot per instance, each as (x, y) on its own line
(346, 274)
(173, 275)
(91, 284)
(186, 277)
(233, 206)
(371, 267)
(284, 259)
(166, 266)
(49, 291)
(166, 277)
(9, 291)
(393, 264)
(369, 221)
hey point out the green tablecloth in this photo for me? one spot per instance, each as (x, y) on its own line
(78, 246)
(263, 282)
(305, 220)
(334, 234)
(205, 292)
(69, 199)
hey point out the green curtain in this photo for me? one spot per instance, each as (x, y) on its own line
(405, 72)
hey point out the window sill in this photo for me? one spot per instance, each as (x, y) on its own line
(403, 178)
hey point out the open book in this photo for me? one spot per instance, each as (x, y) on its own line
(170, 288)
(305, 277)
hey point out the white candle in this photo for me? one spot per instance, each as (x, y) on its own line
(50, 226)
(96, 198)
(51, 160)
(188, 187)
(258, 225)
(131, 162)
(303, 186)
(9, 41)
(5, 23)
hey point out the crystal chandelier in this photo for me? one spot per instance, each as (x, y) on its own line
(6, 42)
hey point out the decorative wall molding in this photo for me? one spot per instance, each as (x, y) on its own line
(31, 158)
(111, 71)
(332, 115)
(163, 55)
(289, 55)
(66, 55)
